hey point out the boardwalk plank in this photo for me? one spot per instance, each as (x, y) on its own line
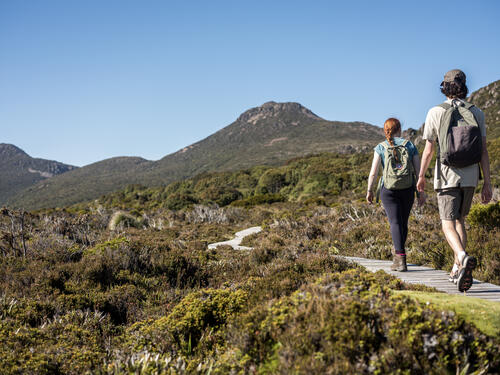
(430, 277)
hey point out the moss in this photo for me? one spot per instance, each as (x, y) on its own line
(484, 314)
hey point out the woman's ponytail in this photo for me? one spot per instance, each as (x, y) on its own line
(392, 126)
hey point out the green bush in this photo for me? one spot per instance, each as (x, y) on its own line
(271, 182)
(485, 215)
(199, 313)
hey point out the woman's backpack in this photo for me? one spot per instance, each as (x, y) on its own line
(398, 171)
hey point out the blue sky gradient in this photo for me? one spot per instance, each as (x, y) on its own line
(82, 81)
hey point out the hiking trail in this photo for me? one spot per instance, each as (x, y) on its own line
(415, 275)
(235, 242)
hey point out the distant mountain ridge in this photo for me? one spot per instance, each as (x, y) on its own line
(18, 170)
(266, 135)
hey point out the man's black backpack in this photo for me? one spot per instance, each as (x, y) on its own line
(460, 141)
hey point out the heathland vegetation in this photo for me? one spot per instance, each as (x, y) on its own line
(126, 284)
(146, 295)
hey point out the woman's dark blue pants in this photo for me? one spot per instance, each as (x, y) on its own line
(397, 205)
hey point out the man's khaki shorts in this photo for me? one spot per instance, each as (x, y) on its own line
(454, 203)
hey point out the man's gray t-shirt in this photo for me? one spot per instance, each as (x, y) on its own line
(452, 177)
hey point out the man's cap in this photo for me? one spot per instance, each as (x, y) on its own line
(454, 75)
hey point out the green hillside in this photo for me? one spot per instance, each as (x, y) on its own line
(325, 178)
(265, 135)
(18, 170)
(81, 184)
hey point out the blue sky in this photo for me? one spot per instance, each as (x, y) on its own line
(81, 81)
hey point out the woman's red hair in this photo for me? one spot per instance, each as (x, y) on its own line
(391, 126)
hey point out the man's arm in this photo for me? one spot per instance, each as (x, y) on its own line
(416, 167)
(426, 160)
(485, 166)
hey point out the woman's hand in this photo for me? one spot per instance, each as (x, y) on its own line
(369, 196)
(421, 199)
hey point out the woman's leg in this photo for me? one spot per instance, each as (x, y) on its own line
(392, 205)
(407, 199)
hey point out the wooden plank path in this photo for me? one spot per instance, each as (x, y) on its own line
(430, 277)
(415, 275)
(238, 237)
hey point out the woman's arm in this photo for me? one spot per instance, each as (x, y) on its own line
(373, 175)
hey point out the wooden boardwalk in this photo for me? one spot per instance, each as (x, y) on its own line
(415, 275)
(238, 237)
(431, 277)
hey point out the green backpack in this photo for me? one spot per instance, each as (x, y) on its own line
(459, 139)
(398, 171)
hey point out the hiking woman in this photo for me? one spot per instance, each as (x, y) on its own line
(400, 163)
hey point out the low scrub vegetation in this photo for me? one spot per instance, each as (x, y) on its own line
(82, 297)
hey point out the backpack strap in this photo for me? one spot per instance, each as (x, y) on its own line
(445, 105)
(468, 105)
(441, 134)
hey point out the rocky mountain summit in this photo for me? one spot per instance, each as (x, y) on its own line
(276, 110)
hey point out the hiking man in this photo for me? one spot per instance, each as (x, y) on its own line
(458, 129)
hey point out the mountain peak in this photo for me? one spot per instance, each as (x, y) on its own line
(273, 109)
(7, 150)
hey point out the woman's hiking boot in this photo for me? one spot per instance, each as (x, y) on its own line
(464, 279)
(399, 263)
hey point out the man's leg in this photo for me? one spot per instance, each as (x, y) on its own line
(460, 227)
(454, 206)
(452, 230)
(450, 202)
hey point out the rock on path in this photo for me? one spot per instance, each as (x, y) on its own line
(235, 242)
